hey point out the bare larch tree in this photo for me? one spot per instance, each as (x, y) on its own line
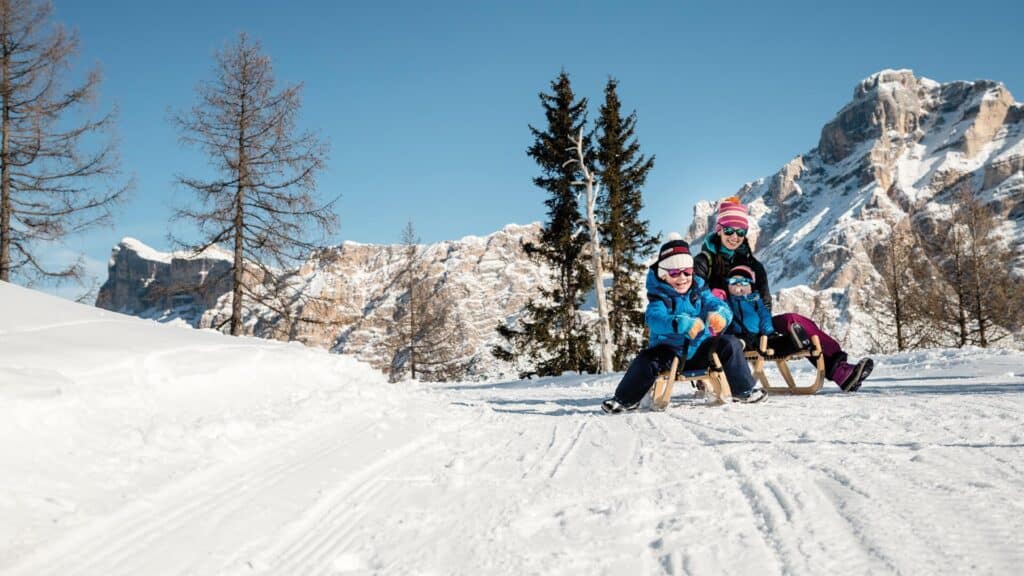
(990, 288)
(979, 303)
(59, 169)
(427, 339)
(262, 201)
(900, 312)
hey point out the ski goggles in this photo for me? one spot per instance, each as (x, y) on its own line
(729, 231)
(739, 281)
(677, 272)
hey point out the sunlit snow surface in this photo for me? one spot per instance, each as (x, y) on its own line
(130, 447)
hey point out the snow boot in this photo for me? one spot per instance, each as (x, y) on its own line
(613, 406)
(801, 341)
(851, 376)
(753, 397)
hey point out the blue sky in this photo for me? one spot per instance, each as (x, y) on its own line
(426, 104)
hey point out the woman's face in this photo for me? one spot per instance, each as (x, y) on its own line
(731, 238)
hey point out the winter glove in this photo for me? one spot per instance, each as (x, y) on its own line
(720, 294)
(695, 329)
(716, 322)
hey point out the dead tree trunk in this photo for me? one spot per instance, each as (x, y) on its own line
(604, 327)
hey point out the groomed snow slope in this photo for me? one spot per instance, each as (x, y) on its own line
(130, 447)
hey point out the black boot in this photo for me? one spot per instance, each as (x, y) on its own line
(801, 341)
(613, 406)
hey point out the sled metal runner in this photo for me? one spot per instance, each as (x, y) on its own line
(716, 385)
(763, 354)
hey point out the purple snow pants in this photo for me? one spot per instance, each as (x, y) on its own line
(829, 347)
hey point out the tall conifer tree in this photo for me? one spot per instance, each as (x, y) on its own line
(551, 332)
(623, 170)
(260, 197)
(59, 168)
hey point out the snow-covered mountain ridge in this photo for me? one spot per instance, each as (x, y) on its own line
(899, 151)
(491, 277)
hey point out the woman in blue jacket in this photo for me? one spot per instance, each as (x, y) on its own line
(687, 322)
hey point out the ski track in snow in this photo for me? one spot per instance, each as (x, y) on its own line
(919, 473)
(531, 479)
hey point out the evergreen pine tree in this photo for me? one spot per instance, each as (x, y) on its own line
(622, 170)
(550, 332)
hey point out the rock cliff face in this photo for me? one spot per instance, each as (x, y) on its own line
(898, 152)
(178, 286)
(491, 277)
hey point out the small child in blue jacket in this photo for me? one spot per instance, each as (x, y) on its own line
(750, 317)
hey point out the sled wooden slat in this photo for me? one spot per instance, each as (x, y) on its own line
(663, 387)
(716, 385)
(758, 359)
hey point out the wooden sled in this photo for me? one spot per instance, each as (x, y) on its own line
(757, 359)
(716, 385)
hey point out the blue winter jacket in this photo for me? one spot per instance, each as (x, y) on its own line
(749, 315)
(670, 315)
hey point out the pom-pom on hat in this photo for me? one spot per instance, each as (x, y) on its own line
(731, 214)
(674, 254)
(743, 271)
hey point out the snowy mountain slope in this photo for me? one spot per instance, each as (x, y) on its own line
(490, 277)
(131, 447)
(899, 151)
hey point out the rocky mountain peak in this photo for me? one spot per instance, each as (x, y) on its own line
(896, 155)
(890, 102)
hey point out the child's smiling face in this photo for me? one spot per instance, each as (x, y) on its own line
(681, 282)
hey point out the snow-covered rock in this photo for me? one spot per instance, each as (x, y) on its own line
(169, 286)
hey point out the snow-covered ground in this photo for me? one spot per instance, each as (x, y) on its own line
(129, 447)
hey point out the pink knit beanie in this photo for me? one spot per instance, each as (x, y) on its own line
(731, 214)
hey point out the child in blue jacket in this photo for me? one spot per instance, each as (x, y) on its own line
(687, 322)
(750, 317)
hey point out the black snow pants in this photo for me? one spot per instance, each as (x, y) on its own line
(644, 369)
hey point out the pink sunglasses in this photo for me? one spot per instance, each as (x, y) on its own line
(675, 272)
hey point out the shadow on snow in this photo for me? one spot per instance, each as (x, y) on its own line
(571, 406)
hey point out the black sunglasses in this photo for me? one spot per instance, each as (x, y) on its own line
(741, 232)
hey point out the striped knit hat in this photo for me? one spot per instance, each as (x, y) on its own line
(731, 214)
(674, 254)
